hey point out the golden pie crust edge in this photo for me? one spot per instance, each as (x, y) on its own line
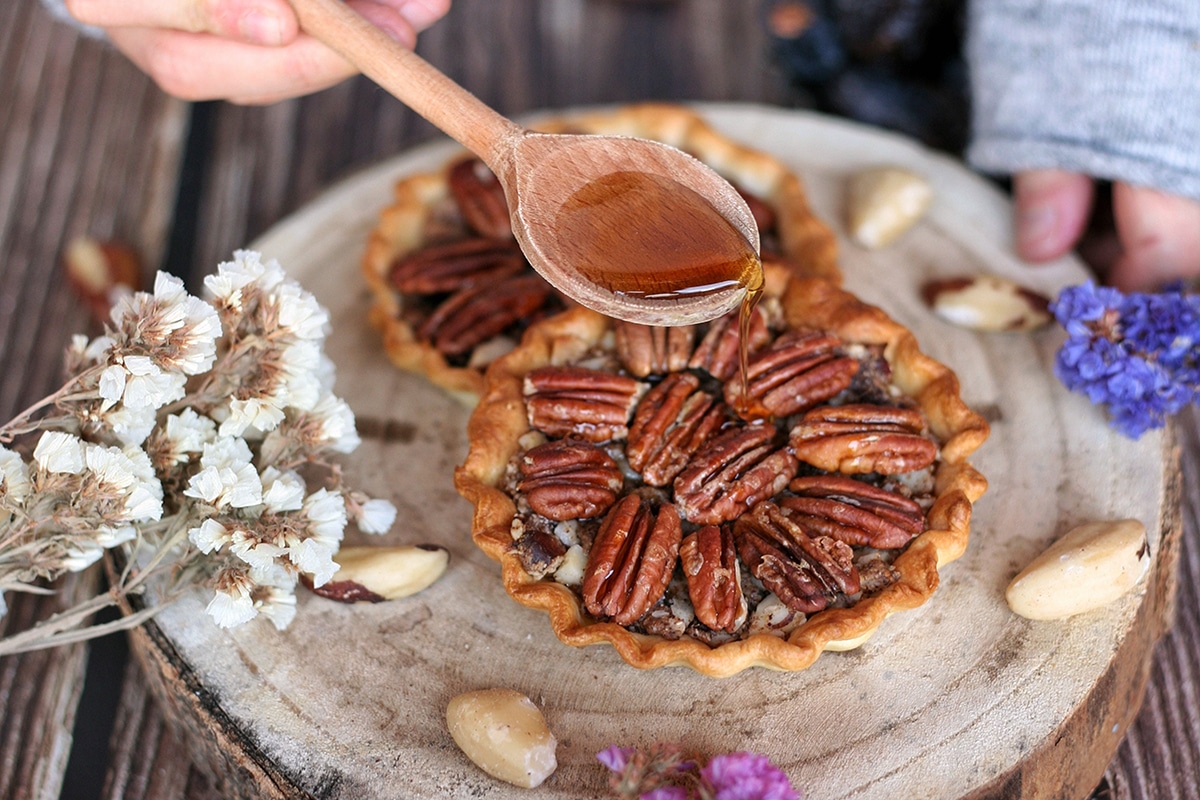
(499, 421)
(809, 245)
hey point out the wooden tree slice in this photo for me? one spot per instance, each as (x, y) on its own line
(959, 698)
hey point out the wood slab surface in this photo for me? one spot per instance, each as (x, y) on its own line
(959, 697)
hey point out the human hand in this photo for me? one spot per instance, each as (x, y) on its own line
(246, 51)
(1157, 235)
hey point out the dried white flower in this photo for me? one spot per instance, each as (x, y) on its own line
(232, 603)
(187, 432)
(112, 385)
(226, 453)
(131, 425)
(336, 420)
(82, 555)
(108, 537)
(282, 491)
(209, 536)
(376, 516)
(148, 386)
(226, 478)
(259, 555)
(59, 452)
(127, 475)
(259, 413)
(14, 476)
(225, 288)
(277, 604)
(299, 312)
(326, 513)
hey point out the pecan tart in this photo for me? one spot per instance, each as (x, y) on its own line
(623, 486)
(451, 289)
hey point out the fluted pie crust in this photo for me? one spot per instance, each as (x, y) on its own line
(500, 420)
(422, 208)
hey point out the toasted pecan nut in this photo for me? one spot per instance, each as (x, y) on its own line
(461, 264)
(670, 424)
(472, 316)
(732, 472)
(795, 373)
(861, 437)
(632, 559)
(647, 349)
(584, 403)
(709, 561)
(853, 512)
(480, 198)
(564, 480)
(803, 571)
(718, 352)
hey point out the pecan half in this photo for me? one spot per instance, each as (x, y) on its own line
(670, 424)
(632, 559)
(853, 512)
(732, 472)
(584, 403)
(718, 355)
(709, 561)
(480, 198)
(795, 373)
(461, 264)
(860, 438)
(564, 480)
(474, 315)
(646, 349)
(803, 571)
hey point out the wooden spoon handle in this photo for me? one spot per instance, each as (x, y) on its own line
(411, 79)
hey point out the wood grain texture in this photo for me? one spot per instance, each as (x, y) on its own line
(960, 697)
(261, 164)
(87, 146)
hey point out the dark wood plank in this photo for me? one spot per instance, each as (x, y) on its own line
(87, 146)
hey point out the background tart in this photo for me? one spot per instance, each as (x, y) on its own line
(481, 296)
(564, 407)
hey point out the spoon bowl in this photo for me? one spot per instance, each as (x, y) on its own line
(634, 229)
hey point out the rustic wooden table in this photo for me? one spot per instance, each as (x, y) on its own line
(89, 146)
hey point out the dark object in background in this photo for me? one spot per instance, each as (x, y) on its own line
(893, 63)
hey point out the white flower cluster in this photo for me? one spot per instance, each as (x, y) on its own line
(225, 403)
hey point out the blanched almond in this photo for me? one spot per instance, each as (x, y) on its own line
(1090, 566)
(883, 203)
(505, 734)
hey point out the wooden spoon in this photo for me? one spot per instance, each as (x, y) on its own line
(631, 228)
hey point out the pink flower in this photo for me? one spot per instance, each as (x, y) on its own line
(744, 776)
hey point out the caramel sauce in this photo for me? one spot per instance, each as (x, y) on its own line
(746, 408)
(648, 236)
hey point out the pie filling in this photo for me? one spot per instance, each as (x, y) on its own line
(671, 505)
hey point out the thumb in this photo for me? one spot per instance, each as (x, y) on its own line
(262, 22)
(1052, 208)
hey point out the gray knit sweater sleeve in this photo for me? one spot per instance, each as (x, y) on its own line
(1109, 88)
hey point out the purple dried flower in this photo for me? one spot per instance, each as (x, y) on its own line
(666, 793)
(616, 758)
(1138, 354)
(745, 776)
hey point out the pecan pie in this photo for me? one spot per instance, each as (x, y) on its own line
(452, 291)
(630, 490)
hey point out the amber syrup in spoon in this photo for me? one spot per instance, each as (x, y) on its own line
(647, 236)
